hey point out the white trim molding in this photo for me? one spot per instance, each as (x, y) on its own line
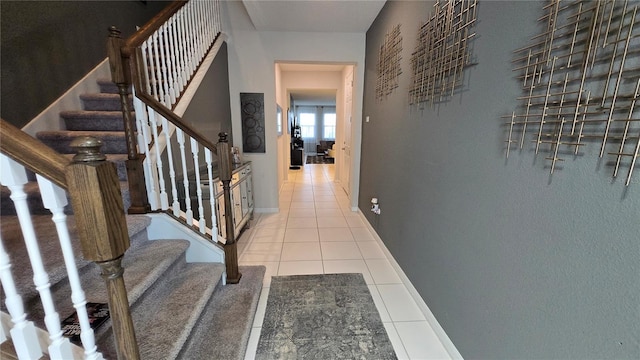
(164, 226)
(49, 118)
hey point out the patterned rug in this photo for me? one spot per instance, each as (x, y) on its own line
(313, 159)
(322, 317)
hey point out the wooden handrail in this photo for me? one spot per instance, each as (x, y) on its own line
(33, 154)
(154, 24)
(177, 121)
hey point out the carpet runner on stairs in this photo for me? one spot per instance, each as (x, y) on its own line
(180, 310)
(101, 117)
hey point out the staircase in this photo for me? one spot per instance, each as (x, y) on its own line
(101, 118)
(179, 309)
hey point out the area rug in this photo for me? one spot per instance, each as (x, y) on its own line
(328, 316)
(313, 159)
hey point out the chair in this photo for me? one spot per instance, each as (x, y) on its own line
(331, 153)
(324, 146)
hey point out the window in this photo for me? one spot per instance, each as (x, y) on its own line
(308, 125)
(329, 124)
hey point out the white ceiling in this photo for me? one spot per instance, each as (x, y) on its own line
(350, 16)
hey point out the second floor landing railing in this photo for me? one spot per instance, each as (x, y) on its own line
(165, 153)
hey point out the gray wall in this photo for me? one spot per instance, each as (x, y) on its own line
(512, 262)
(210, 111)
(47, 46)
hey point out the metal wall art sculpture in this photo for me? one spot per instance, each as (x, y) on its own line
(389, 63)
(442, 52)
(581, 82)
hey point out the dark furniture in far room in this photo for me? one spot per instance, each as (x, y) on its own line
(324, 146)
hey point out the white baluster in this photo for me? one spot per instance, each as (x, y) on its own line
(212, 199)
(141, 116)
(166, 99)
(60, 347)
(185, 177)
(192, 39)
(200, 29)
(168, 43)
(54, 198)
(172, 173)
(23, 333)
(145, 62)
(196, 165)
(184, 59)
(210, 25)
(164, 200)
(218, 18)
(144, 130)
(3, 333)
(158, 67)
(173, 54)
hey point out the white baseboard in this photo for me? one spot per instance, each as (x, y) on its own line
(431, 319)
(164, 226)
(49, 118)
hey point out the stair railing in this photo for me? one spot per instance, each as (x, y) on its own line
(92, 184)
(160, 61)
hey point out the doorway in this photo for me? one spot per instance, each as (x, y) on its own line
(318, 90)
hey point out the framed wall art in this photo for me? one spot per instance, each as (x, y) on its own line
(252, 109)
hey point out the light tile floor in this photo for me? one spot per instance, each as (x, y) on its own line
(315, 232)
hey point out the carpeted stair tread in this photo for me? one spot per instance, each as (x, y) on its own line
(94, 120)
(50, 249)
(103, 101)
(165, 317)
(144, 263)
(114, 142)
(229, 315)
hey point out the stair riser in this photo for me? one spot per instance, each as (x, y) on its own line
(103, 104)
(106, 86)
(89, 123)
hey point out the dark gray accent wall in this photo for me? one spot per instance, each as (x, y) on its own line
(210, 109)
(514, 263)
(47, 46)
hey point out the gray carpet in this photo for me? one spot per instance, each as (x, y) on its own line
(329, 316)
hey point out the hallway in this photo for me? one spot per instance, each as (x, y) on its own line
(315, 232)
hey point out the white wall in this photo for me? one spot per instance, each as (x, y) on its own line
(252, 56)
(282, 142)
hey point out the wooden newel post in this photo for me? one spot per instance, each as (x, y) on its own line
(99, 212)
(230, 247)
(119, 63)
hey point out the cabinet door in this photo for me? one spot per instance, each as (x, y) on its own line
(249, 186)
(245, 193)
(236, 200)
